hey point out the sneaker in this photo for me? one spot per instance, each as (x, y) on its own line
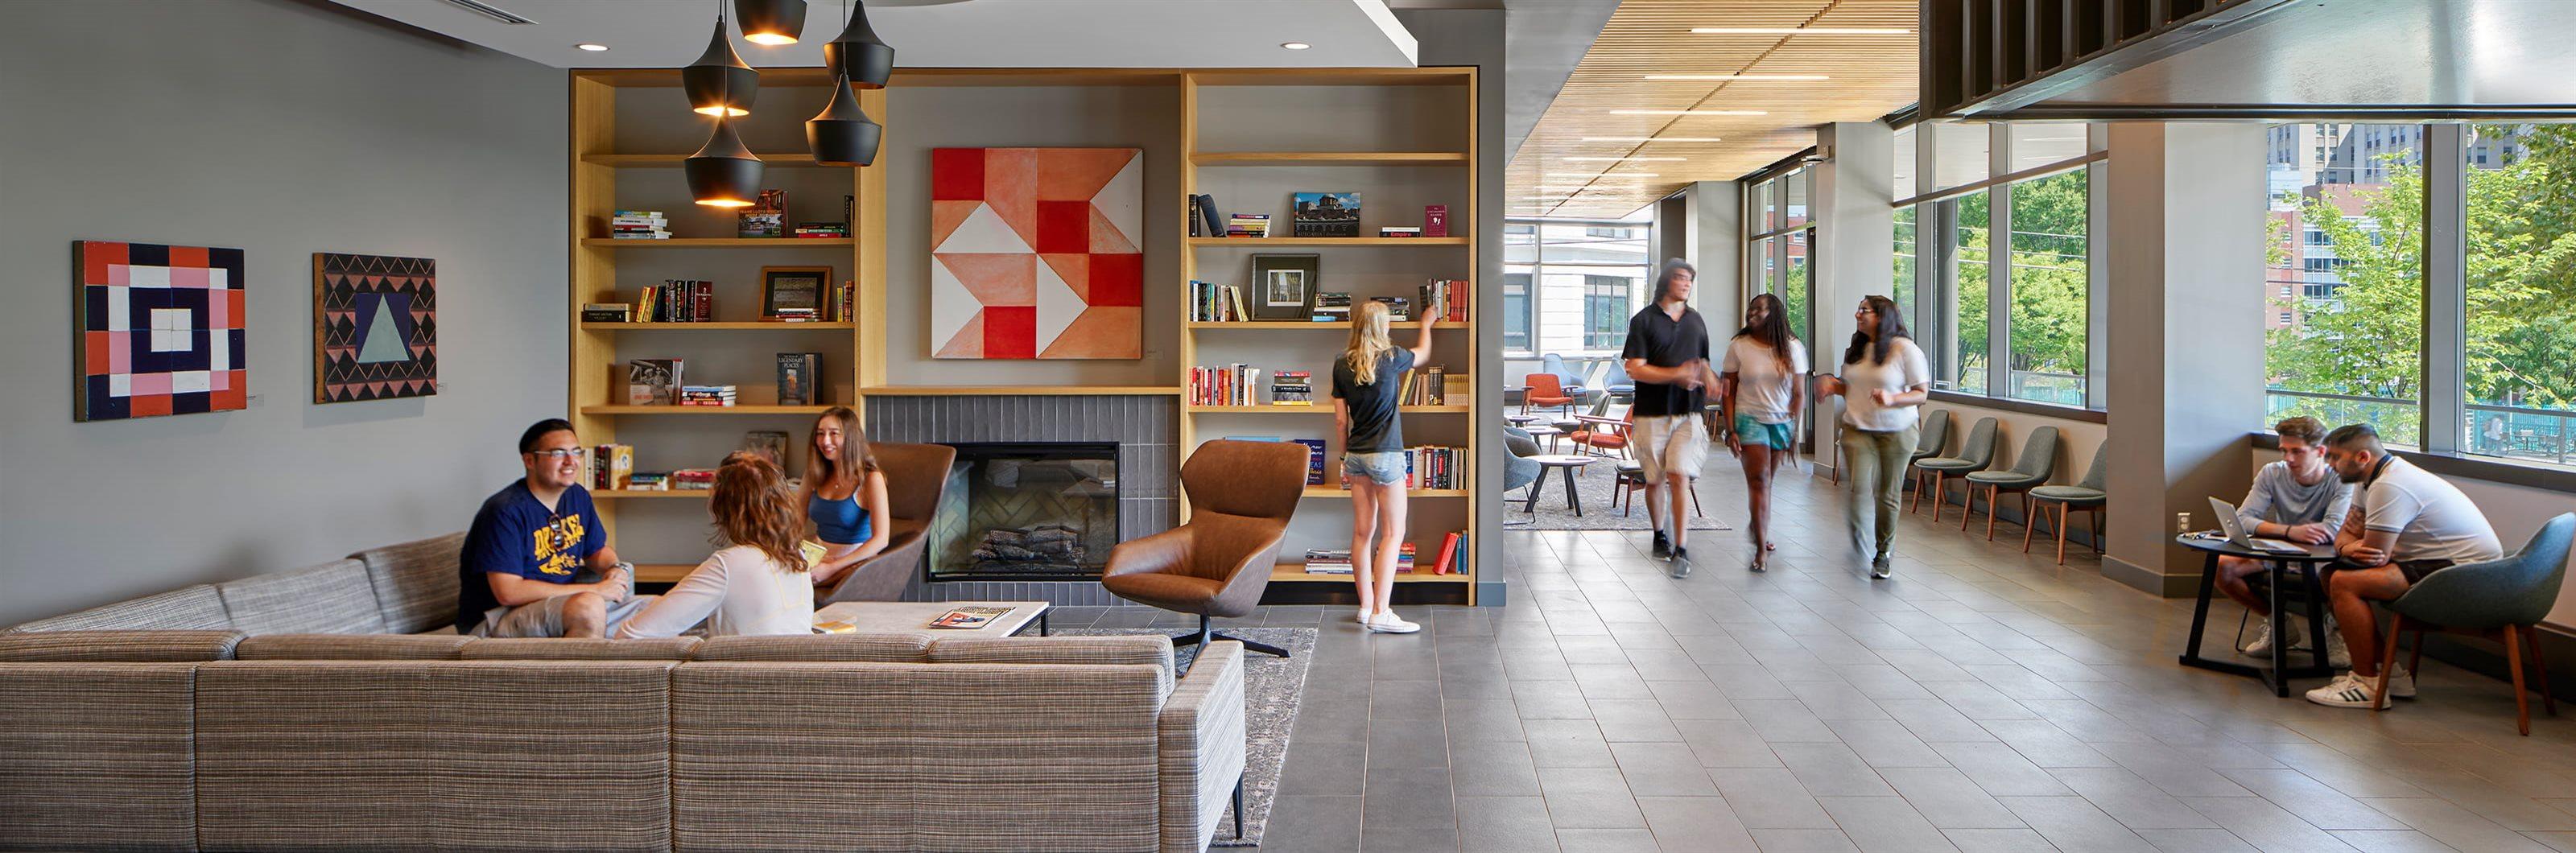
(2262, 645)
(1387, 622)
(2339, 657)
(1681, 562)
(2401, 684)
(1360, 616)
(1663, 546)
(2346, 691)
(1879, 568)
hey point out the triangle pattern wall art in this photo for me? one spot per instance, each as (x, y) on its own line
(1037, 253)
(157, 330)
(375, 327)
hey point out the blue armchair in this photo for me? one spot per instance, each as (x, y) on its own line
(1553, 363)
(1518, 470)
(2506, 597)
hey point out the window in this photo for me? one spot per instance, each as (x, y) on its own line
(1970, 246)
(1516, 312)
(2285, 318)
(1905, 258)
(1605, 311)
(1966, 366)
(2520, 364)
(1778, 260)
(2354, 357)
(2051, 277)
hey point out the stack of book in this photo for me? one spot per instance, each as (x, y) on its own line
(1211, 302)
(653, 381)
(706, 395)
(1399, 231)
(639, 225)
(1248, 225)
(1323, 562)
(1425, 386)
(1292, 388)
(643, 482)
(677, 301)
(1331, 306)
(693, 480)
(1397, 308)
(1446, 299)
(607, 312)
(1230, 385)
(1404, 559)
(821, 229)
(612, 466)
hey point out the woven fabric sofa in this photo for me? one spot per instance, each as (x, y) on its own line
(215, 718)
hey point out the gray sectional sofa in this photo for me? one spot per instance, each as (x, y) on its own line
(322, 709)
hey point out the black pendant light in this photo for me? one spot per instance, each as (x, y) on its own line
(857, 53)
(724, 173)
(770, 22)
(843, 135)
(718, 83)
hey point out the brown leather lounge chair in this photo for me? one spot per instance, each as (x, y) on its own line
(1241, 495)
(916, 475)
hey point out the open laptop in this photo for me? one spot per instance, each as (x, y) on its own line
(2237, 536)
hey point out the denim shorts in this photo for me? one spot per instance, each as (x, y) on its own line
(1385, 468)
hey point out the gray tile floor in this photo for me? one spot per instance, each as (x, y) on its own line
(1980, 700)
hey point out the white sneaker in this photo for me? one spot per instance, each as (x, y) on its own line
(1386, 622)
(2339, 657)
(1359, 616)
(2346, 691)
(2401, 684)
(2262, 645)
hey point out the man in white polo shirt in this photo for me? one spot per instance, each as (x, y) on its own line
(2405, 523)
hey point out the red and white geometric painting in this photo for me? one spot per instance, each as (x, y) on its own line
(1037, 253)
(157, 330)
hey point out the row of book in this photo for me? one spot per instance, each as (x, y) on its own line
(1230, 385)
(1451, 560)
(1446, 299)
(662, 382)
(1211, 302)
(611, 467)
(1424, 386)
(819, 230)
(1433, 466)
(677, 301)
(639, 225)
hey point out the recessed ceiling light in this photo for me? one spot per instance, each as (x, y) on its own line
(592, 46)
(1650, 139)
(1802, 31)
(1749, 78)
(1621, 159)
(1295, 45)
(1689, 112)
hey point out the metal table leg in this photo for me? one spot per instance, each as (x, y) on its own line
(1572, 499)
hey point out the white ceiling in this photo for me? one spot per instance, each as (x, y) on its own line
(968, 34)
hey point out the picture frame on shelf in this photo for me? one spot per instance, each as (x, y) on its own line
(1284, 285)
(793, 293)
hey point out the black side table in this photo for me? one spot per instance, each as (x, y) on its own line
(2278, 675)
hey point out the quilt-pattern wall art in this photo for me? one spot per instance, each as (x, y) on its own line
(1037, 253)
(375, 327)
(157, 330)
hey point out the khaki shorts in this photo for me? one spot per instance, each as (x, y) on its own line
(1669, 444)
(546, 618)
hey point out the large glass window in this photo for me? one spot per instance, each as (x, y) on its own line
(2350, 351)
(1968, 360)
(2520, 292)
(1516, 312)
(1569, 285)
(1606, 311)
(2050, 282)
(1905, 259)
(1780, 259)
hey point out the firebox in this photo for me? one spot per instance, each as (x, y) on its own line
(1026, 510)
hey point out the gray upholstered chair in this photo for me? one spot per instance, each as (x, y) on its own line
(2038, 463)
(1974, 455)
(1518, 470)
(2087, 495)
(916, 477)
(1935, 437)
(2506, 597)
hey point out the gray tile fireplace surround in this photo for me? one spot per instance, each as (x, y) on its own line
(1148, 466)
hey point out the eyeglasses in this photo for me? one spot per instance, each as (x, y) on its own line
(558, 454)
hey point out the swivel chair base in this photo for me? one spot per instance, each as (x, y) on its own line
(1208, 633)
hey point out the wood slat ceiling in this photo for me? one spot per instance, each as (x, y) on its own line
(1870, 76)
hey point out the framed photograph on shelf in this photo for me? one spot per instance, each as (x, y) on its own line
(1283, 285)
(793, 293)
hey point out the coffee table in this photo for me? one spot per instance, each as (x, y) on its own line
(1569, 463)
(1547, 432)
(913, 617)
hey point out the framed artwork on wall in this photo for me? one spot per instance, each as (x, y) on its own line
(375, 327)
(793, 292)
(1284, 285)
(1037, 253)
(157, 330)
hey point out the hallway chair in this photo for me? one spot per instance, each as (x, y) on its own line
(1241, 495)
(2502, 599)
(1974, 455)
(1934, 438)
(2087, 495)
(916, 477)
(1545, 391)
(1518, 470)
(2038, 463)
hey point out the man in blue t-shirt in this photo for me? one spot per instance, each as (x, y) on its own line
(529, 545)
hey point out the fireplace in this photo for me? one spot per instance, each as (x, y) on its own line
(1027, 510)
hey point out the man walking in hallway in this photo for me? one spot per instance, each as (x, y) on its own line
(1667, 355)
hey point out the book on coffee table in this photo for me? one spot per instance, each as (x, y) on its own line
(969, 617)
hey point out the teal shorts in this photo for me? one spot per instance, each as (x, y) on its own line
(1751, 432)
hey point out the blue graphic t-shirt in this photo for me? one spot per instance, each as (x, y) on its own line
(516, 534)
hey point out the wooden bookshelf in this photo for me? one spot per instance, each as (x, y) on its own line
(630, 494)
(720, 243)
(673, 161)
(1449, 169)
(757, 326)
(1030, 390)
(700, 411)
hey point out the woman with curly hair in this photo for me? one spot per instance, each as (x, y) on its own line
(755, 585)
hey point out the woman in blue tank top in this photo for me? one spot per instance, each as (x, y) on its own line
(843, 494)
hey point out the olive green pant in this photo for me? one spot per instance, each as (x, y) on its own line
(1877, 461)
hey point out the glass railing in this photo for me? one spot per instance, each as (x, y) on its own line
(2397, 421)
(2064, 389)
(2514, 432)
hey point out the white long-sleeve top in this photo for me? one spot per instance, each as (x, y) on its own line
(738, 590)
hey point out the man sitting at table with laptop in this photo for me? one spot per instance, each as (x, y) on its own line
(2405, 523)
(2298, 499)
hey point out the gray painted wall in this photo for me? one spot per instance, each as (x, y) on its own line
(280, 128)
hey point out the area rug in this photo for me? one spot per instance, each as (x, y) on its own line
(1593, 483)
(1272, 688)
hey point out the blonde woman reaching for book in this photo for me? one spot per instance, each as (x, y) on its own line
(755, 586)
(1366, 381)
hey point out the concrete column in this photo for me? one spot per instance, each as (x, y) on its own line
(2186, 351)
(1855, 251)
(1713, 228)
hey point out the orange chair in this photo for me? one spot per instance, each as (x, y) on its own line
(1545, 390)
(1604, 435)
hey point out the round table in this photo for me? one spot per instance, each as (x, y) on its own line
(1566, 462)
(1547, 432)
(1520, 420)
(2278, 675)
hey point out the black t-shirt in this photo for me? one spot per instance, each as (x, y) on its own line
(1374, 425)
(1665, 342)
